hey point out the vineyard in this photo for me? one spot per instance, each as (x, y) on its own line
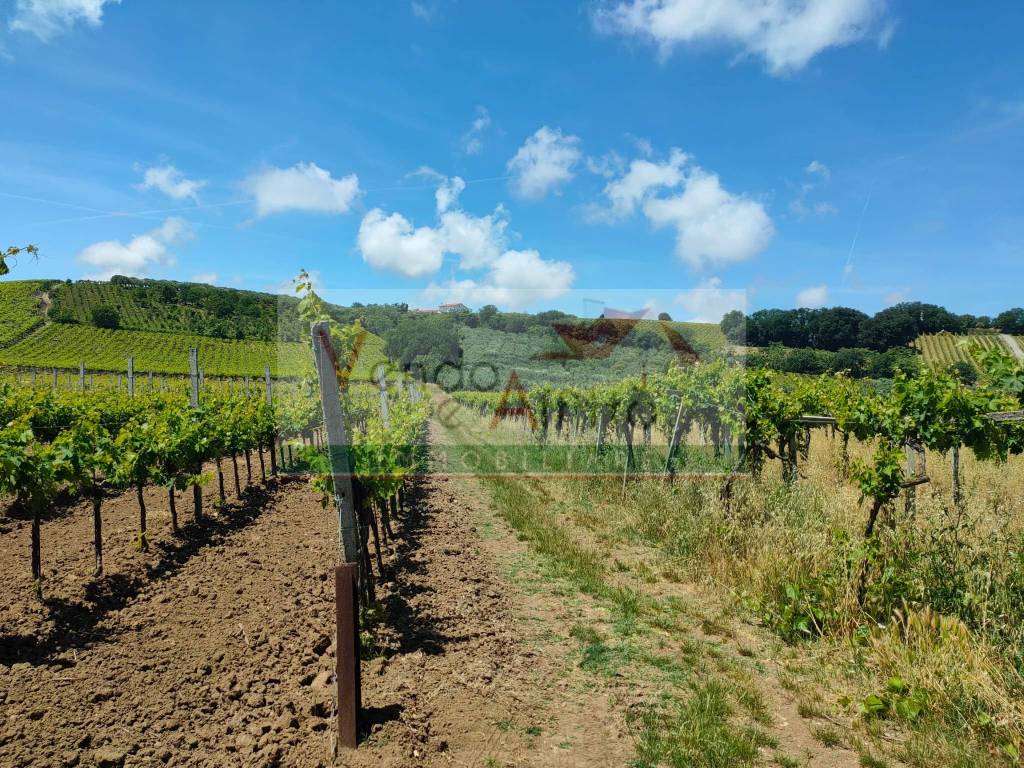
(490, 355)
(182, 308)
(93, 444)
(749, 481)
(19, 309)
(941, 350)
(68, 346)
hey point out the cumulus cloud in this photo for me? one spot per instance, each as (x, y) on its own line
(513, 278)
(472, 140)
(714, 227)
(392, 243)
(812, 298)
(477, 240)
(205, 277)
(544, 163)
(786, 34)
(47, 19)
(516, 280)
(643, 176)
(172, 182)
(395, 244)
(112, 257)
(303, 187)
(448, 192)
(709, 301)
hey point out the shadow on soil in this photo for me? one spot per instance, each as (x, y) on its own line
(76, 622)
(415, 628)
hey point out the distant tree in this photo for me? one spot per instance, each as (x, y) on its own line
(1011, 321)
(898, 325)
(734, 325)
(105, 316)
(414, 337)
(487, 314)
(834, 328)
(665, 317)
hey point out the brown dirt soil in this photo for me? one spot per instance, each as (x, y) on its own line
(215, 648)
(465, 679)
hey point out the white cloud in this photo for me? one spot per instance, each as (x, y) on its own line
(172, 182)
(608, 165)
(643, 177)
(800, 205)
(786, 34)
(713, 226)
(709, 301)
(48, 18)
(448, 192)
(478, 240)
(205, 277)
(544, 163)
(812, 298)
(111, 257)
(392, 243)
(303, 187)
(472, 143)
(517, 279)
(818, 167)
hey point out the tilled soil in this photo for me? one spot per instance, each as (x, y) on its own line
(215, 648)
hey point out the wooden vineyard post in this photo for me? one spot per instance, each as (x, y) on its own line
(957, 495)
(131, 377)
(273, 435)
(81, 376)
(346, 603)
(55, 378)
(346, 592)
(193, 367)
(673, 443)
(382, 381)
(911, 492)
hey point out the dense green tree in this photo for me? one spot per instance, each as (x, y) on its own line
(413, 337)
(1011, 321)
(734, 326)
(105, 316)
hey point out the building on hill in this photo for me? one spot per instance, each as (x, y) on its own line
(424, 311)
(457, 307)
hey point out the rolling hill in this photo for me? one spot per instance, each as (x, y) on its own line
(48, 324)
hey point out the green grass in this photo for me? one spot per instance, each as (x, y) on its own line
(19, 308)
(485, 351)
(697, 733)
(65, 346)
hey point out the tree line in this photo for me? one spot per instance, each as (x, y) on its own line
(838, 328)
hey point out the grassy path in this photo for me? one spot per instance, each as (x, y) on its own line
(692, 683)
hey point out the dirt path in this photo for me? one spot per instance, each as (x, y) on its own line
(474, 675)
(1013, 345)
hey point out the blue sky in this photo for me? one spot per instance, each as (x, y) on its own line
(854, 152)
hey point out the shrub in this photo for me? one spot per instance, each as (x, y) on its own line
(105, 316)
